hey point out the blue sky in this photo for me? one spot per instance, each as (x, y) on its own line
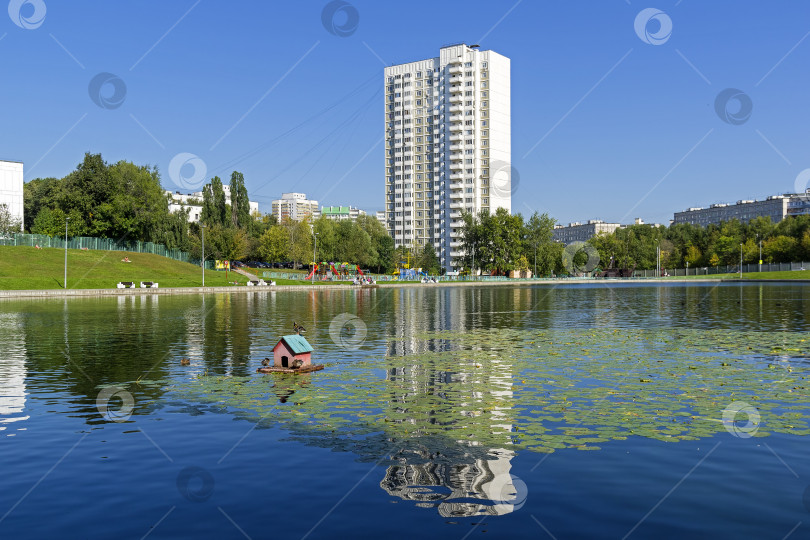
(604, 124)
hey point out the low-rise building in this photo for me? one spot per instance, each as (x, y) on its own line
(342, 213)
(294, 206)
(11, 188)
(193, 203)
(582, 232)
(775, 207)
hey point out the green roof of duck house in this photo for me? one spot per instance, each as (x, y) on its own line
(297, 344)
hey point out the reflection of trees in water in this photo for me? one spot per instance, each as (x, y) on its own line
(79, 345)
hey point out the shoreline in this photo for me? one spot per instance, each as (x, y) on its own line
(63, 293)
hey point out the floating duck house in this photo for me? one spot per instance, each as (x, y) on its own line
(291, 348)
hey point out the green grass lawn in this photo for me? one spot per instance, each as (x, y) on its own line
(23, 267)
(794, 274)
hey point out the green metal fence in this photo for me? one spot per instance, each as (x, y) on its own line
(99, 244)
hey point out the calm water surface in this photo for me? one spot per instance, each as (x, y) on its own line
(581, 411)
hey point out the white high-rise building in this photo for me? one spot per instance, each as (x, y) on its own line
(448, 146)
(11, 188)
(294, 206)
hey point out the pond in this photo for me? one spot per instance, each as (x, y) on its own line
(531, 411)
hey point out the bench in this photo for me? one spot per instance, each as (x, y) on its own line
(259, 283)
(148, 285)
(125, 285)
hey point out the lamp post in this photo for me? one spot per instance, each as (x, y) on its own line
(535, 260)
(658, 260)
(202, 261)
(314, 251)
(741, 246)
(473, 260)
(687, 268)
(760, 254)
(66, 236)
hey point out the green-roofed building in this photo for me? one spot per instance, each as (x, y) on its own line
(342, 213)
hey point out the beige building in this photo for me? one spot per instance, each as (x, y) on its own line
(294, 206)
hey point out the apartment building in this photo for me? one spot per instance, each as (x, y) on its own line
(11, 188)
(342, 213)
(294, 206)
(447, 146)
(582, 232)
(775, 207)
(193, 202)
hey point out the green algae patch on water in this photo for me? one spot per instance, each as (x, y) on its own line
(541, 391)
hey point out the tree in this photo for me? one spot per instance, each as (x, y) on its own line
(428, 261)
(381, 242)
(780, 249)
(8, 223)
(539, 235)
(328, 247)
(355, 244)
(274, 244)
(693, 255)
(214, 210)
(240, 204)
(300, 240)
(38, 194)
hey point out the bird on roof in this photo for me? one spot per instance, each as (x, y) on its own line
(298, 329)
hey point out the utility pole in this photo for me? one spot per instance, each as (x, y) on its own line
(741, 261)
(66, 242)
(202, 262)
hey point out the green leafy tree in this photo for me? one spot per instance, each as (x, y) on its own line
(355, 244)
(382, 245)
(428, 261)
(328, 245)
(301, 239)
(780, 249)
(275, 244)
(214, 210)
(539, 240)
(240, 204)
(39, 194)
(8, 223)
(693, 255)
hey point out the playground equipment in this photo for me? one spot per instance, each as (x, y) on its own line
(340, 271)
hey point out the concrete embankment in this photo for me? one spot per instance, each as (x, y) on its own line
(62, 293)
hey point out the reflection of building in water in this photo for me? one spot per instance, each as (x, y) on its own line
(12, 374)
(458, 477)
(465, 486)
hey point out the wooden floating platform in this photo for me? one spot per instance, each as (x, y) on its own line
(302, 369)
